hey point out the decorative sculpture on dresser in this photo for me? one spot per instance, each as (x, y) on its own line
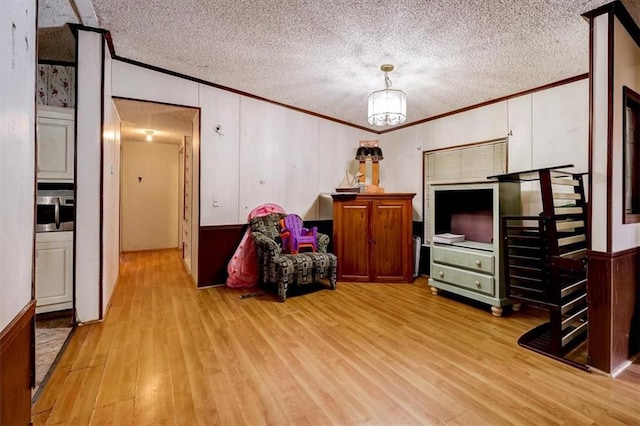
(369, 150)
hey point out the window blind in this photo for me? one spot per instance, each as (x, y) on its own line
(474, 162)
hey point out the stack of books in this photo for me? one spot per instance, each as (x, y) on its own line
(448, 238)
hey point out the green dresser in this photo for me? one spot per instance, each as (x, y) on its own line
(472, 267)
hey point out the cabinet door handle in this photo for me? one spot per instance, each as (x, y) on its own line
(56, 213)
(441, 274)
(478, 263)
(478, 284)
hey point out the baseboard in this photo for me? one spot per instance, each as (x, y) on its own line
(115, 287)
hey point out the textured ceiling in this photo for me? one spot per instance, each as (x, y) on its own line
(55, 40)
(56, 13)
(169, 123)
(324, 56)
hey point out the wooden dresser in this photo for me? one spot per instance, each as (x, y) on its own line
(372, 237)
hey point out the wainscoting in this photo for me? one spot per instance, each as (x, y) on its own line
(614, 308)
(16, 367)
(217, 244)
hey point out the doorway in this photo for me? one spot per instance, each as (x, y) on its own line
(55, 206)
(155, 144)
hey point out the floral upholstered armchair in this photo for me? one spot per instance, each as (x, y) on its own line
(284, 269)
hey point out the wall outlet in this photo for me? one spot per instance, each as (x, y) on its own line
(216, 203)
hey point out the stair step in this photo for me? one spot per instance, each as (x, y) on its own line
(530, 238)
(567, 307)
(572, 288)
(575, 254)
(563, 225)
(525, 268)
(531, 301)
(571, 240)
(568, 210)
(565, 182)
(578, 331)
(526, 248)
(527, 289)
(566, 323)
(525, 279)
(524, 258)
(566, 196)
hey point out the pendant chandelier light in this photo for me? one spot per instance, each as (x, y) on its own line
(387, 107)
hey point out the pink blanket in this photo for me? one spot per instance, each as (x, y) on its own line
(243, 267)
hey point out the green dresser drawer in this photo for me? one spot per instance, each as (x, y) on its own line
(461, 278)
(464, 258)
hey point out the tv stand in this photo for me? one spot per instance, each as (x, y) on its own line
(471, 268)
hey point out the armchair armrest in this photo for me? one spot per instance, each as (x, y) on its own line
(266, 244)
(323, 242)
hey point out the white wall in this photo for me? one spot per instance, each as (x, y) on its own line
(195, 196)
(401, 170)
(111, 191)
(479, 124)
(88, 154)
(599, 155)
(278, 158)
(220, 183)
(560, 126)
(150, 204)
(626, 73)
(131, 81)
(267, 154)
(545, 128)
(336, 152)
(17, 155)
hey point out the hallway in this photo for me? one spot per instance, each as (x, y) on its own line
(365, 353)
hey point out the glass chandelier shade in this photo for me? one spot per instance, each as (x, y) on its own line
(387, 107)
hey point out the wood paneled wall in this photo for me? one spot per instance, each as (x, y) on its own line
(614, 308)
(217, 246)
(17, 346)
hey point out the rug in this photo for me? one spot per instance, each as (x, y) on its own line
(49, 342)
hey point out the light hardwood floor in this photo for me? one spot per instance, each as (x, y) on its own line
(365, 354)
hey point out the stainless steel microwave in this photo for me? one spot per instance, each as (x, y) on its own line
(55, 210)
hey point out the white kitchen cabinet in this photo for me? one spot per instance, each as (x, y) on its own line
(55, 144)
(54, 271)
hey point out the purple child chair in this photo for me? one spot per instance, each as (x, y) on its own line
(295, 236)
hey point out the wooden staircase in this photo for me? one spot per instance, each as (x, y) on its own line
(545, 261)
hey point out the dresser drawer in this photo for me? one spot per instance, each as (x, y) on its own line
(472, 260)
(461, 278)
